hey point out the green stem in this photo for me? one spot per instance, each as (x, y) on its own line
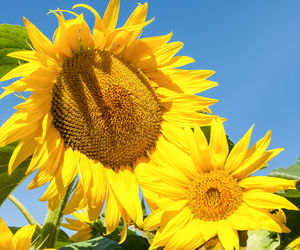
(24, 211)
(52, 222)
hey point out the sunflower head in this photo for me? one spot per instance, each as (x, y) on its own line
(101, 102)
(208, 191)
(81, 224)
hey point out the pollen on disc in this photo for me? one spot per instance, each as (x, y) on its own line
(214, 196)
(105, 108)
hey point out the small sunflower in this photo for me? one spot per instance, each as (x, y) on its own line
(21, 239)
(81, 224)
(208, 192)
(101, 102)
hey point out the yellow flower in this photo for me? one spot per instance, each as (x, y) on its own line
(21, 240)
(100, 101)
(208, 192)
(82, 225)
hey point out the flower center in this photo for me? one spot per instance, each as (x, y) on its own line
(105, 108)
(214, 196)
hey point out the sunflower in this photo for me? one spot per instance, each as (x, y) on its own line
(208, 192)
(100, 103)
(81, 224)
(21, 239)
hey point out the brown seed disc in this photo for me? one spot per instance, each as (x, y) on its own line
(214, 196)
(105, 108)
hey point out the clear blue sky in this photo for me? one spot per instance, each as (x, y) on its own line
(254, 47)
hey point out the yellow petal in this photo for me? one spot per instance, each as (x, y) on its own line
(16, 127)
(6, 236)
(110, 17)
(40, 42)
(22, 238)
(199, 149)
(188, 81)
(82, 235)
(169, 221)
(183, 162)
(242, 219)
(183, 102)
(145, 47)
(113, 215)
(49, 151)
(78, 200)
(87, 41)
(22, 151)
(228, 236)
(153, 220)
(175, 135)
(85, 172)
(261, 217)
(27, 55)
(294, 243)
(97, 190)
(98, 22)
(254, 163)
(238, 153)
(20, 71)
(167, 174)
(67, 34)
(64, 176)
(138, 15)
(269, 184)
(126, 190)
(189, 237)
(260, 199)
(218, 144)
(260, 146)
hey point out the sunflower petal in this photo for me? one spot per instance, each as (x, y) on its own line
(111, 14)
(113, 214)
(266, 183)
(20, 71)
(254, 163)
(6, 236)
(40, 42)
(97, 190)
(189, 237)
(126, 190)
(218, 144)
(260, 199)
(228, 236)
(153, 220)
(238, 153)
(22, 238)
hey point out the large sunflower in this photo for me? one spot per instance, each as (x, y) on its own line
(208, 192)
(100, 101)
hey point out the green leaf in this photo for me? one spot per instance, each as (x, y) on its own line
(62, 240)
(9, 182)
(133, 240)
(292, 222)
(292, 173)
(98, 243)
(291, 193)
(12, 38)
(262, 239)
(292, 217)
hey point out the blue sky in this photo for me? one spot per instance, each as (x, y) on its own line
(252, 45)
